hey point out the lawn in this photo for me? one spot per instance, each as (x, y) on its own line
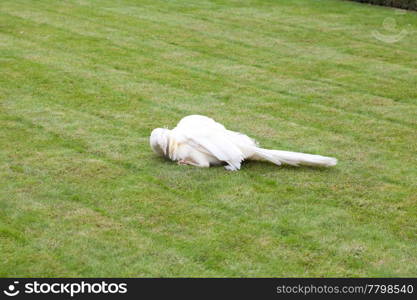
(82, 84)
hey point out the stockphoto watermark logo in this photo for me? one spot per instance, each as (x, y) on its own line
(12, 289)
(72, 289)
(391, 32)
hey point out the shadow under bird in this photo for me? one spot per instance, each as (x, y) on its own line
(202, 142)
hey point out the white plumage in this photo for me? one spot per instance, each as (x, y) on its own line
(200, 141)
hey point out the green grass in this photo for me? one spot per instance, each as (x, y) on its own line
(82, 84)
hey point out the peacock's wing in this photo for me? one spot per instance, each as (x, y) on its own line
(216, 143)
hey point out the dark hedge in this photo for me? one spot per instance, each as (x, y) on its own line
(406, 4)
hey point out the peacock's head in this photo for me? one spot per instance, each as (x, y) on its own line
(159, 141)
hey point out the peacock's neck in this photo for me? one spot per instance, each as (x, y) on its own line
(172, 147)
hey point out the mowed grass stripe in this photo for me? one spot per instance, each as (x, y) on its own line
(237, 34)
(289, 40)
(355, 74)
(261, 22)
